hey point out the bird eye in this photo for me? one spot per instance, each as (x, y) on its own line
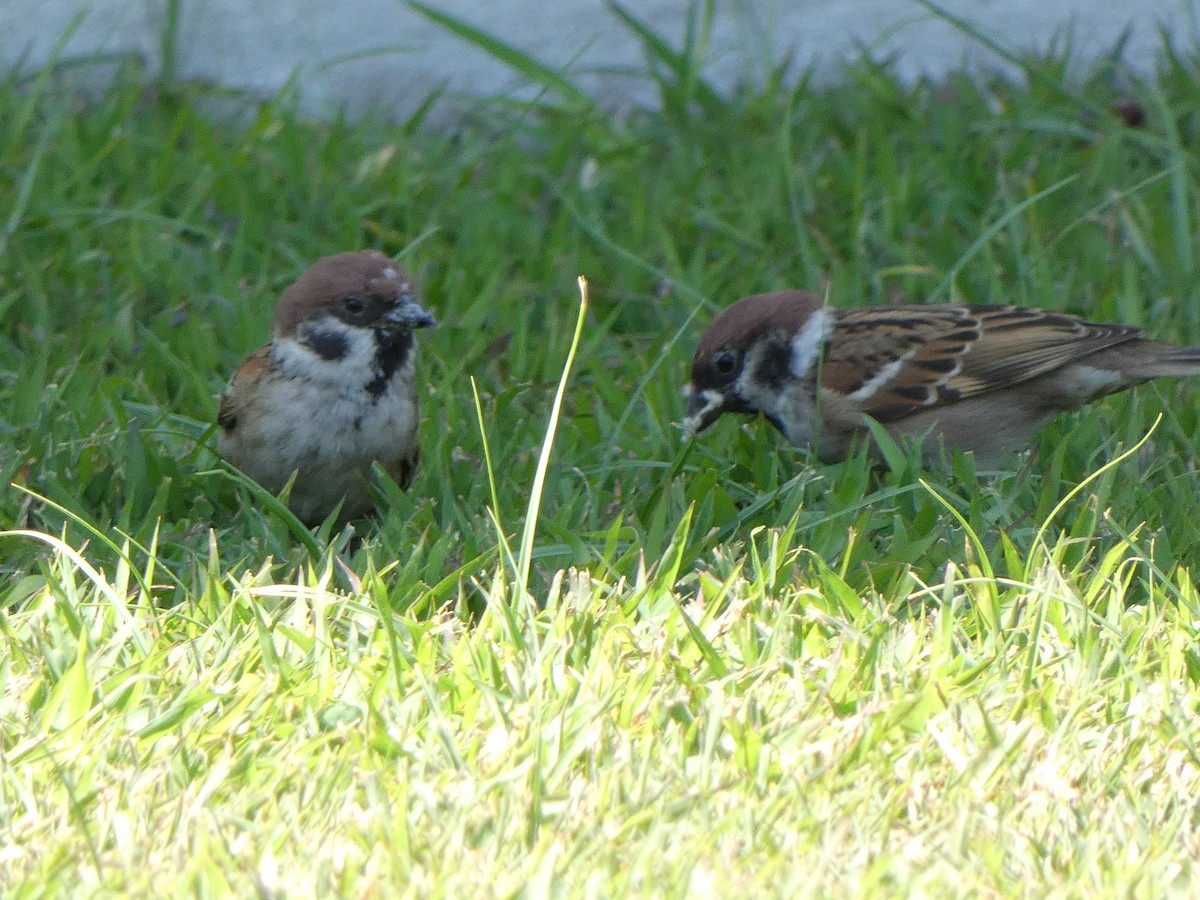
(354, 304)
(725, 362)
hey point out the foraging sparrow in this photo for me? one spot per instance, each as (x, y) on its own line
(980, 378)
(333, 392)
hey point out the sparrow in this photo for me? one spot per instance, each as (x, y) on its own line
(333, 392)
(982, 379)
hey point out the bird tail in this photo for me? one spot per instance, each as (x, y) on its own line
(1174, 362)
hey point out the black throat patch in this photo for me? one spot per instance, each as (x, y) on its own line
(391, 352)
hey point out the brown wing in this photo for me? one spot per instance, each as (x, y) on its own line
(233, 401)
(896, 360)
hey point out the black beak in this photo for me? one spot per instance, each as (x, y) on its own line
(409, 315)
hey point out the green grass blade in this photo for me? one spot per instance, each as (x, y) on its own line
(525, 555)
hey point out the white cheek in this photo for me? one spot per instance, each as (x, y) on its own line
(350, 373)
(760, 397)
(793, 405)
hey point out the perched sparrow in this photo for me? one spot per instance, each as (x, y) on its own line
(333, 391)
(980, 378)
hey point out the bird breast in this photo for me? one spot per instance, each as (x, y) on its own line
(319, 417)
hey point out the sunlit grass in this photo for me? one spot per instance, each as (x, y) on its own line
(589, 657)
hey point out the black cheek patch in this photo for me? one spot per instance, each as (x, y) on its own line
(326, 343)
(774, 368)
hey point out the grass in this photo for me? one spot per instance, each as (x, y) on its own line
(729, 670)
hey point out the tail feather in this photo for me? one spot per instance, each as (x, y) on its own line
(1139, 360)
(1174, 362)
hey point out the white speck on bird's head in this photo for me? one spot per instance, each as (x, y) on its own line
(389, 272)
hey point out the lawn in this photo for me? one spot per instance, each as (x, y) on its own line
(667, 667)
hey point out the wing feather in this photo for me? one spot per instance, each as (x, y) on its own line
(233, 401)
(898, 360)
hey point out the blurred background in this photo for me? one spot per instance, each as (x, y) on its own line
(388, 56)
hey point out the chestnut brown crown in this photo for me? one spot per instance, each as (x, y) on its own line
(363, 288)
